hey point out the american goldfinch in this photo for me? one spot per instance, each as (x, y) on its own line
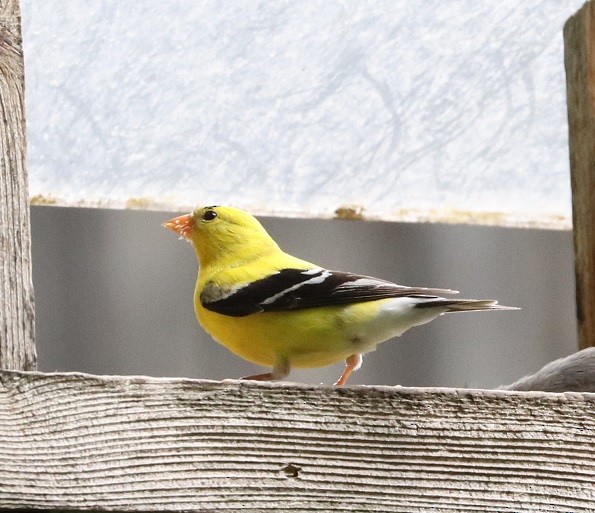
(276, 310)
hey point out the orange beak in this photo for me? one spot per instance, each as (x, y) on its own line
(182, 225)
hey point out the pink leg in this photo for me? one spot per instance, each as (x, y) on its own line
(280, 371)
(352, 363)
(267, 376)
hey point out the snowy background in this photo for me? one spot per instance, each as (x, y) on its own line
(410, 109)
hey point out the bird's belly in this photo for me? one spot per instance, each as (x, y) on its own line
(301, 336)
(309, 337)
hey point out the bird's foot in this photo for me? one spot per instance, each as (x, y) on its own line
(267, 376)
(280, 371)
(352, 363)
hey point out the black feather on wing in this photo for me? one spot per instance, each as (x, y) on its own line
(294, 289)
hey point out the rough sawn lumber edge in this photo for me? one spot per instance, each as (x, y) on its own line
(17, 345)
(579, 59)
(76, 441)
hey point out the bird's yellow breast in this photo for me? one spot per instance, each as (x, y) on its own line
(306, 338)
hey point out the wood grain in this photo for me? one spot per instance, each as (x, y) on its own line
(78, 442)
(579, 57)
(17, 348)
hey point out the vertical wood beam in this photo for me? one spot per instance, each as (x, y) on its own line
(579, 57)
(17, 344)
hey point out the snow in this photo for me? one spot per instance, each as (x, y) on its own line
(407, 109)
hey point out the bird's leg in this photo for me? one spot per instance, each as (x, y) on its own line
(280, 371)
(352, 363)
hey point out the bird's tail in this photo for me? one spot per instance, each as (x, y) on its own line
(464, 305)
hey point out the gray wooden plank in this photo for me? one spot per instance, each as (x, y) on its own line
(17, 346)
(76, 441)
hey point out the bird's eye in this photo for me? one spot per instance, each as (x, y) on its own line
(209, 215)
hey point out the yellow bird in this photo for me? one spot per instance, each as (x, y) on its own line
(276, 310)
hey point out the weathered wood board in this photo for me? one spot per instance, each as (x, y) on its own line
(17, 346)
(76, 441)
(579, 56)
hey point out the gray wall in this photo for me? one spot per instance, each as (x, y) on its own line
(114, 296)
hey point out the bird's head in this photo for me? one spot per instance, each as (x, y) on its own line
(222, 234)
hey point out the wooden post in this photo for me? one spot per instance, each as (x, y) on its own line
(579, 56)
(17, 346)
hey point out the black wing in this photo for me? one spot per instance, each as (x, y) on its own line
(294, 289)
